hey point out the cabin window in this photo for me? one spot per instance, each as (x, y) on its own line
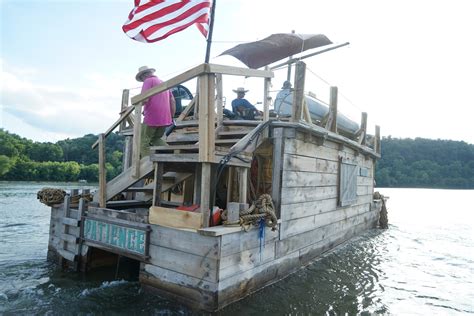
(348, 172)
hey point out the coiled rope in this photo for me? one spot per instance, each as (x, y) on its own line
(262, 208)
(52, 196)
(383, 219)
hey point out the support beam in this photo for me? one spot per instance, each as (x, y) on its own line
(102, 171)
(306, 113)
(157, 183)
(125, 95)
(266, 97)
(278, 148)
(137, 138)
(127, 152)
(363, 129)
(243, 187)
(205, 193)
(219, 101)
(298, 94)
(331, 123)
(206, 117)
(377, 146)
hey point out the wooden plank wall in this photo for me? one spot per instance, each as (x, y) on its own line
(310, 186)
(184, 264)
(311, 221)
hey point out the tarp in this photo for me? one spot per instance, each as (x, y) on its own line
(275, 47)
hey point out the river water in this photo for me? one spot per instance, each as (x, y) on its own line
(422, 265)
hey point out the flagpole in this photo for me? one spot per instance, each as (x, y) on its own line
(211, 27)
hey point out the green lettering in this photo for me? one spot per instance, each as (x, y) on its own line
(122, 237)
(87, 229)
(93, 230)
(107, 237)
(131, 240)
(101, 230)
(113, 235)
(141, 242)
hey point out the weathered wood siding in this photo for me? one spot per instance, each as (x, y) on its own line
(310, 186)
(183, 263)
(311, 220)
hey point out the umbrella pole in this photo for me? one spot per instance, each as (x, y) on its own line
(288, 75)
(211, 27)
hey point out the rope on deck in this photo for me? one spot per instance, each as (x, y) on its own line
(383, 219)
(52, 196)
(262, 208)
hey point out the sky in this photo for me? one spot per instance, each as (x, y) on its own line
(409, 64)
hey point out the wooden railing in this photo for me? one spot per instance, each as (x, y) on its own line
(209, 95)
(209, 86)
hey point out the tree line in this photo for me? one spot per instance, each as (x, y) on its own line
(425, 163)
(406, 162)
(66, 160)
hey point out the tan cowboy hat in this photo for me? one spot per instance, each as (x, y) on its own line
(141, 71)
(240, 90)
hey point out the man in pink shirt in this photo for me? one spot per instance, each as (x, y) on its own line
(158, 111)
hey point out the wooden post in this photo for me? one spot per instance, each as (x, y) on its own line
(219, 101)
(102, 172)
(206, 118)
(125, 94)
(188, 191)
(298, 94)
(137, 138)
(205, 193)
(377, 146)
(277, 162)
(127, 153)
(306, 114)
(332, 118)
(157, 182)
(230, 184)
(197, 184)
(81, 210)
(243, 177)
(266, 97)
(363, 128)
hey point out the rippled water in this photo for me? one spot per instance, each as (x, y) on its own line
(422, 265)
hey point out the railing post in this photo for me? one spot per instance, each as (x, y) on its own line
(102, 172)
(137, 138)
(205, 193)
(125, 94)
(298, 94)
(332, 119)
(266, 97)
(219, 100)
(207, 118)
(377, 145)
(363, 129)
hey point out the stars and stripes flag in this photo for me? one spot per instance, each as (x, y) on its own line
(154, 20)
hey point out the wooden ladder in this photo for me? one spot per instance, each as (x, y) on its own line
(71, 246)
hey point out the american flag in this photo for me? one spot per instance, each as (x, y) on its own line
(154, 20)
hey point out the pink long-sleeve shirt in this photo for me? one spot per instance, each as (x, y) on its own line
(157, 111)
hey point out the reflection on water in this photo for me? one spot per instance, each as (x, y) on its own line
(422, 265)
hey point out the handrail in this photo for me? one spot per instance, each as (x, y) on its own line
(123, 116)
(200, 70)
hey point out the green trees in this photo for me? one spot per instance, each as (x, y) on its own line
(407, 162)
(67, 160)
(425, 163)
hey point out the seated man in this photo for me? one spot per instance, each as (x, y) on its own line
(242, 108)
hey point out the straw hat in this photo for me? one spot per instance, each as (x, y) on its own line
(240, 90)
(142, 70)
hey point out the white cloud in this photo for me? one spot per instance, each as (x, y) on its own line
(70, 111)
